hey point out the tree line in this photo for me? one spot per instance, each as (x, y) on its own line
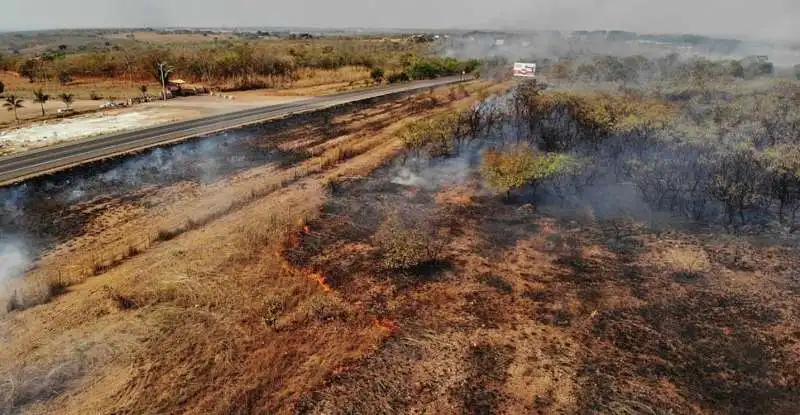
(734, 160)
(243, 64)
(715, 157)
(639, 69)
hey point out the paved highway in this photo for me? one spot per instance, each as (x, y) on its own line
(17, 168)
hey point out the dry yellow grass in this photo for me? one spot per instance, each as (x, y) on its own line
(684, 259)
(80, 87)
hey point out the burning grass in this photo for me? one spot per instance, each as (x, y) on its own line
(353, 285)
(197, 277)
(548, 315)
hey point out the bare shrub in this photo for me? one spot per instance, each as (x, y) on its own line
(497, 282)
(686, 260)
(783, 180)
(273, 309)
(736, 182)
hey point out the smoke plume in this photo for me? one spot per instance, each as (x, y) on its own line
(14, 259)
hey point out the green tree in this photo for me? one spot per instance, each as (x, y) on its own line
(13, 103)
(28, 69)
(64, 77)
(397, 77)
(128, 59)
(67, 99)
(612, 69)
(470, 66)
(41, 98)
(377, 74)
(245, 54)
(518, 167)
(46, 61)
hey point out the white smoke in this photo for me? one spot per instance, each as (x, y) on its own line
(14, 260)
(432, 174)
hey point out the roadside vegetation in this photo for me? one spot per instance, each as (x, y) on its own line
(118, 68)
(245, 299)
(237, 64)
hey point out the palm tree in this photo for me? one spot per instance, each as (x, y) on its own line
(12, 104)
(67, 99)
(163, 71)
(41, 98)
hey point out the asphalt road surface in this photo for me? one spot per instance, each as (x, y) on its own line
(17, 168)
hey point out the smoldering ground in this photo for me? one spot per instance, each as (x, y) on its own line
(40, 213)
(665, 176)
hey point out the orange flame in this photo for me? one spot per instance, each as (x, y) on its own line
(388, 325)
(320, 279)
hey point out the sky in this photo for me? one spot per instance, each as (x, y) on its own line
(753, 18)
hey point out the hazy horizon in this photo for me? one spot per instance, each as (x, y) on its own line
(773, 19)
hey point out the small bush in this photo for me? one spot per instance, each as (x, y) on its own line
(498, 283)
(407, 244)
(324, 307)
(273, 310)
(123, 301)
(398, 77)
(94, 96)
(452, 93)
(437, 136)
(64, 77)
(519, 167)
(377, 74)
